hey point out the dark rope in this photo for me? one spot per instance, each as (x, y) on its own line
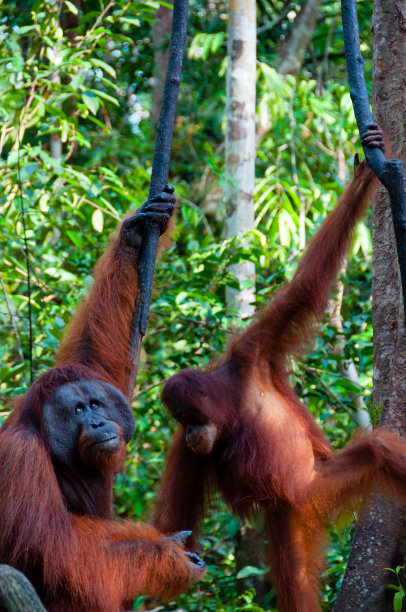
(159, 179)
(390, 172)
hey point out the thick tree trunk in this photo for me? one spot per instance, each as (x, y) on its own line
(293, 50)
(240, 142)
(377, 534)
(239, 196)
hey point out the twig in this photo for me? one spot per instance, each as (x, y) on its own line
(269, 26)
(96, 23)
(330, 374)
(11, 315)
(22, 118)
(159, 313)
(144, 391)
(327, 388)
(12, 319)
(27, 259)
(192, 321)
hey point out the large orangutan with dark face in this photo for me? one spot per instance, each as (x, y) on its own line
(63, 444)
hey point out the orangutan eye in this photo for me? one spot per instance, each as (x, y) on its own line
(78, 408)
(93, 404)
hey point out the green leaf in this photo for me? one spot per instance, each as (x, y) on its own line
(104, 66)
(99, 123)
(106, 96)
(217, 41)
(134, 21)
(72, 8)
(26, 29)
(44, 202)
(76, 81)
(91, 100)
(18, 63)
(97, 220)
(12, 158)
(397, 601)
(76, 239)
(28, 170)
(250, 570)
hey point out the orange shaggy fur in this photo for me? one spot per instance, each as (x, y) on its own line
(82, 562)
(99, 334)
(270, 456)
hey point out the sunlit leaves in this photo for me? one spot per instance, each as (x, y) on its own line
(72, 8)
(97, 220)
(204, 44)
(53, 91)
(91, 100)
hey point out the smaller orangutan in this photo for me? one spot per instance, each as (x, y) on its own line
(243, 430)
(63, 444)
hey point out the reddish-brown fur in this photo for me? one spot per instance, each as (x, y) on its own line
(99, 334)
(271, 456)
(82, 562)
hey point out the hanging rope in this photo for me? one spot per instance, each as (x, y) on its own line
(159, 179)
(390, 172)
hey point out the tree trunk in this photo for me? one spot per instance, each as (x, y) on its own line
(161, 35)
(17, 593)
(239, 196)
(377, 534)
(249, 546)
(293, 50)
(240, 143)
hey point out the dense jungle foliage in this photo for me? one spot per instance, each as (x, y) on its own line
(93, 94)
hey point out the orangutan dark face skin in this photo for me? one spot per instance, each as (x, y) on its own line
(89, 415)
(64, 443)
(201, 433)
